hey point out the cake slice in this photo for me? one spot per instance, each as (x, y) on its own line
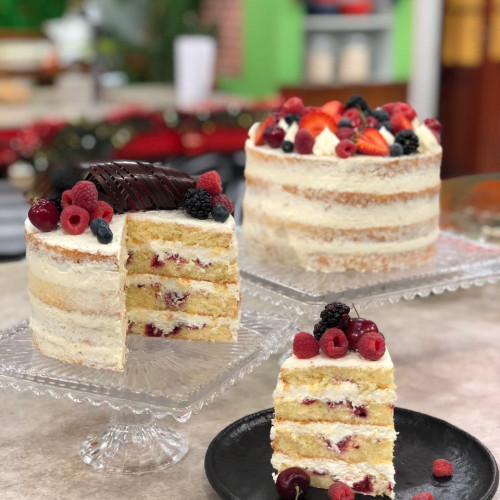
(334, 415)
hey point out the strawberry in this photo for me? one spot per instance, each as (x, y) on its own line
(272, 119)
(333, 109)
(316, 121)
(371, 142)
(400, 122)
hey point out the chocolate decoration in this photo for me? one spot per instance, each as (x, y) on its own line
(138, 185)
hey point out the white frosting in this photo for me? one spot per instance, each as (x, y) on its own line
(415, 123)
(283, 124)
(252, 132)
(291, 132)
(427, 141)
(389, 138)
(325, 143)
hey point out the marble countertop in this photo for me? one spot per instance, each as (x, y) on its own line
(445, 349)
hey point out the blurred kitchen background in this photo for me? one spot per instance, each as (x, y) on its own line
(180, 81)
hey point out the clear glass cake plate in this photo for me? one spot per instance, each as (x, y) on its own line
(460, 262)
(163, 377)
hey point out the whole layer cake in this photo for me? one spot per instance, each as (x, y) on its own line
(164, 274)
(335, 189)
(334, 410)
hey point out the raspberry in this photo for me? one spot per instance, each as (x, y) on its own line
(406, 109)
(85, 195)
(304, 142)
(334, 343)
(354, 116)
(372, 122)
(305, 346)
(371, 346)
(74, 219)
(102, 211)
(210, 181)
(426, 495)
(345, 132)
(197, 203)
(293, 105)
(340, 491)
(223, 199)
(345, 148)
(67, 198)
(442, 468)
(433, 124)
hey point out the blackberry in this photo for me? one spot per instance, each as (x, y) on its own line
(356, 101)
(408, 139)
(387, 125)
(287, 146)
(396, 149)
(197, 203)
(56, 200)
(380, 115)
(100, 229)
(344, 123)
(292, 117)
(334, 315)
(220, 213)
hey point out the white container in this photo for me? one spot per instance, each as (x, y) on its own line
(321, 60)
(355, 60)
(194, 69)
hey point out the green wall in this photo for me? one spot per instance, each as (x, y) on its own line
(402, 39)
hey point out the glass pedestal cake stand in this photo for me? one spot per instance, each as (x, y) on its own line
(459, 263)
(163, 378)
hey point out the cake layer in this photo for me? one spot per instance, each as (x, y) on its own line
(148, 291)
(351, 443)
(363, 477)
(180, 325)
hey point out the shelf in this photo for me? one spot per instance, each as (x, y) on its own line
(343, 22)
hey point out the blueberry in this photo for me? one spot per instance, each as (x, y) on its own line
(96, 224)
(292, 117)
(386, 125)
(344, 123)
(104, 235)
(381, 115)
(220, 213)
(287, 146)
(396, 149)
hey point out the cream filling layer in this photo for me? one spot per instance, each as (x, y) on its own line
(351, 360)
(333, 432)
(358, 174)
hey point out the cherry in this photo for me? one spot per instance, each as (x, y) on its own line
(44, 215)
(274, 136)
(292, 483)
(356, 328)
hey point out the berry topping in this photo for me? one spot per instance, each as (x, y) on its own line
(56, 200)
(387, 125)
(345, 132)
(210, 181)
(396, 149)
(408, 139)
(389, 107)
(67, 198)
(292, 117)
(340, 491)
(100, 229)
(433, 124)
(442, 468)
(406, 109)
(44, 215)
(359, 103)
(399, 122)
(85, 195)
(315, 122)
(333, 109)
(223, 199)
(103, 211)
(273, 136)
(426, 495)
(354, 117)
(74, 219)
(364, 486)
(292, 483)
(293, 105)
(197, 203)
(371, 346)
(356, 328)
(333, 343)
(304, 142)
(345, 148)
(371, 142)
(271, 119)
(380, 115)
(220, 213)
(334, 315)
(344, 123)
(371, 122)
(287, 146)
(305, 346)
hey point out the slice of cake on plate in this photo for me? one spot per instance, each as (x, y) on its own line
(164, 266)
(334, 405)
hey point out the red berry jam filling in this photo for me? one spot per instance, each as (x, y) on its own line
(174, 299)
(151, 330)
(309, 401)
(203, 265)
(344, 444)
(156, 262)
(360, 411)
(130, 257)
(316, 473)
(328, 443)
(176, 258)
(130, 326)
(364, 486)
(334, 404)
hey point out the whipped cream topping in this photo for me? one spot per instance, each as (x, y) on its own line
(252, 132)
(291, 132)
(283, 124)
(325, 143)
(427, 141)
(389, 138)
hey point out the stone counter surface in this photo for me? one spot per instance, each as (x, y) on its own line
(445, 349)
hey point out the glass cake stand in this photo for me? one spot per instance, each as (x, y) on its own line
(163, 377)
(459, 263)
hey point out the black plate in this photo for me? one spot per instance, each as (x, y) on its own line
(237, 462)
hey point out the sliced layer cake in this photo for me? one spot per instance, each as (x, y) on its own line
(334, 412)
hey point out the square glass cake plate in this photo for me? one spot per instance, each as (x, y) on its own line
(162, 377)
(459, 262)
